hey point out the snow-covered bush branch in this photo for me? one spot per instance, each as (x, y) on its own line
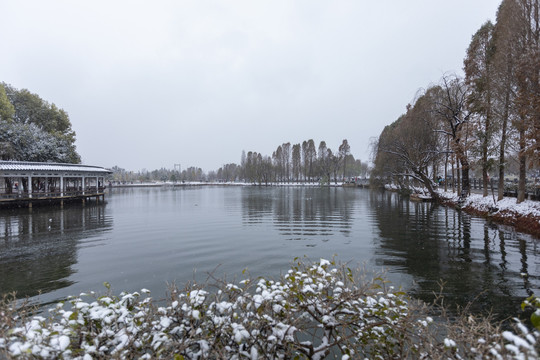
(314, 311)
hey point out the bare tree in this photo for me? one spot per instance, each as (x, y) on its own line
(454, 117)
(479, 77)
(322, 161)
(312, 157)
(296, 161)
(506, 45)
(277, 156)
(286, 160)
(344, 150)
(528, 85)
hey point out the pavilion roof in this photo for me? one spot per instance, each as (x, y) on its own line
(49, 166)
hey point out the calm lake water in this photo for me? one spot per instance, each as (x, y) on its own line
(148, 237)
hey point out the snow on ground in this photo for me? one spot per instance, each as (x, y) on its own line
(507, 205)
(219, 183)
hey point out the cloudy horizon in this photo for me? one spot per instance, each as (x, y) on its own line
(150, 85)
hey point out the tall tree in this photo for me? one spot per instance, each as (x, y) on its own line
(277, 156)
(344, 150)
(286, 160)
(312, 157)
(505, 36)
(296, 161)
(479, 77)
(528, 86)
(305, 160)
(243, 165)
(322, 161)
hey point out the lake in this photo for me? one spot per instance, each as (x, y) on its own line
(151, 237)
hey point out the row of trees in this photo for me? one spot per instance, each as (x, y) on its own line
(300, 162)
(289, 163)
(125, 176)
(479, 122)
(31, 129)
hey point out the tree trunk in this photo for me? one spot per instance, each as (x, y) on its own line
(500, 188)
(428, 184)
(446, 165)
(454, 176)
(458, 176)
(485, 179)
(466, 184)
(522, 165)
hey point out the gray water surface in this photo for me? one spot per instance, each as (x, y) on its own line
(151, 237)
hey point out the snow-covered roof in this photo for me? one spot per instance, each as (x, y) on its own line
(26, 166)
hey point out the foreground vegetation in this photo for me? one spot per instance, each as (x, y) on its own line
(315, 311)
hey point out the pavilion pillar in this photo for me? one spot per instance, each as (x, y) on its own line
(61, 185)
(83, 185)
(30, 187)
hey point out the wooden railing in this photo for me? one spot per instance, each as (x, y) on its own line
(24, 195)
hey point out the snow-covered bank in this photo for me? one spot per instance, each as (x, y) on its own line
(505, 206)
(524, 216)
(217, 183)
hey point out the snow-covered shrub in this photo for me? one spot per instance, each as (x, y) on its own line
(315, 311)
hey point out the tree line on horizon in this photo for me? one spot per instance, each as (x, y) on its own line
(301, 162)
(32, 129)
(288, 163)
(481, 122)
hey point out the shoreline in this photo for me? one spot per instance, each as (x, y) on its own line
(524, 217)
(200, 183)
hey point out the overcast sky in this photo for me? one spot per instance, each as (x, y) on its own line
(150, 84)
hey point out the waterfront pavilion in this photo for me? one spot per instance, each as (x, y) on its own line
(25, 183)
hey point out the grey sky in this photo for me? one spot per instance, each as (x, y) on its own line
(148, 84)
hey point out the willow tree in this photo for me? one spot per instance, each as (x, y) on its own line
(408, 148)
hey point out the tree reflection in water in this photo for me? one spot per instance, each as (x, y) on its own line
(475, 260)
(301, 214)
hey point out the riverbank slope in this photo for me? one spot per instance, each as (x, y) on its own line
(524, 217)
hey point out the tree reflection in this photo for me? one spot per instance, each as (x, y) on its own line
(476, 261)
(39, 248)
(301, 213)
